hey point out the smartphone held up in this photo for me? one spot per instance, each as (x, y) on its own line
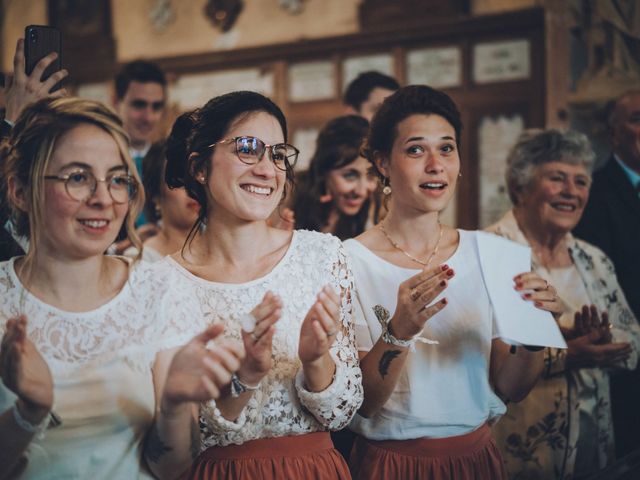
(40, 41)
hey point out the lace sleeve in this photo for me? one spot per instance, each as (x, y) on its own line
(335, 406)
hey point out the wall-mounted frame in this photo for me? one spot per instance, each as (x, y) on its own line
(451, 46)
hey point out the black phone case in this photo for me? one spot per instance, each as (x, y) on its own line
(40, 41)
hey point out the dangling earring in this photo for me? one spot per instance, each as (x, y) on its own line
(158, 211)
(387, 188)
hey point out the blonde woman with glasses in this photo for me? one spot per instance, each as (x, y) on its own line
(79, 328)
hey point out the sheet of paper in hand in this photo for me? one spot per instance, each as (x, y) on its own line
(518, 322)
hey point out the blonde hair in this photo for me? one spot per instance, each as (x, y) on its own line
(26, 154)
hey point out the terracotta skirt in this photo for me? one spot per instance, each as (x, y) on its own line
(464, 457)
(310, 456)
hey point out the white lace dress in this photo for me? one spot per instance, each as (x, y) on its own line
(282, 406)
(100, 362)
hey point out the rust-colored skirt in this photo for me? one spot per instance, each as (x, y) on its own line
(464, 457)
(309, 456)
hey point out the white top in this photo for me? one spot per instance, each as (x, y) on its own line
(444, 389)
(149, 254)
(100, 362)
(282, 406)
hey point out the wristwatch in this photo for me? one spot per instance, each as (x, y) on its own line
(238, 387)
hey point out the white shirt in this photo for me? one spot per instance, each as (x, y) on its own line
(282, 406)
(444, 389)
(100, 362)
(149, 254)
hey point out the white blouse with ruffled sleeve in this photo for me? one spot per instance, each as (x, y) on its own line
(282, 406)
(101, 365)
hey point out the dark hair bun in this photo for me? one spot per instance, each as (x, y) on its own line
(178, 150)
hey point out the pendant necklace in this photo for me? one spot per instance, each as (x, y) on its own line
(407, 254)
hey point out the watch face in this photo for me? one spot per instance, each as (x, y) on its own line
(237, 388)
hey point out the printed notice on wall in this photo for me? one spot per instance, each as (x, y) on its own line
(354, 66)
(501, 61)
(436, 67)
(310, 81)
(192, 91)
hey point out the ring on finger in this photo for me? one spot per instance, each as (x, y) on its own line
(254, 336)
(331, 334)
(414, 294)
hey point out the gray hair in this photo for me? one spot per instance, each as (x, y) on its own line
(535, 147)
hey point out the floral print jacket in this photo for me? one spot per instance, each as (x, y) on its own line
(538, 436)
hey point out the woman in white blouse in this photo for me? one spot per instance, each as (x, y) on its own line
(286, 294)
(79, 328)
(427, 407)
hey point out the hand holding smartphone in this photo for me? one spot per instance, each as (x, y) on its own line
(40, 41)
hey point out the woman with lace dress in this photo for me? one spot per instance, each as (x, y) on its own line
(79, 329)
(287, 295)
(433, 370)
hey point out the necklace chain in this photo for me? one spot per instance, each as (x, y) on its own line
(407, 254)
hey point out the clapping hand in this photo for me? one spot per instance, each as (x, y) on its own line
(320, 326)
(415, 296)
(258, 342)
(588, 321)
(25, 372)
(590, 345)
(199, 371)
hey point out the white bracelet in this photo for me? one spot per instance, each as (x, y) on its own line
(383, 316)
(37, 429)
(238, 387)
(388, 338)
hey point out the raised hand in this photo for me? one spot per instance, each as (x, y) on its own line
(258, 343)
(537, 290)
(584, 353)
(25, 372)
(22, 89)
(198, 372)
(588, 321)
(415, 295)
(320, 326)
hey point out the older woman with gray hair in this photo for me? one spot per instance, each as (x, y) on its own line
(563, 429)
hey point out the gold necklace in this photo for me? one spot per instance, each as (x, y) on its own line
(407, 254)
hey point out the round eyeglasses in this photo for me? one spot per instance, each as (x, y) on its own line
(82, 184)
(250, 150)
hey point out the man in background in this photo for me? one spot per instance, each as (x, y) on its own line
(140, 100)
(365, 94)
(611, 221)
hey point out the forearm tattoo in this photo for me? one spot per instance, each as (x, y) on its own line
(155, 448)
(385, 361)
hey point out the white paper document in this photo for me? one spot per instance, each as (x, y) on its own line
(518, 322)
